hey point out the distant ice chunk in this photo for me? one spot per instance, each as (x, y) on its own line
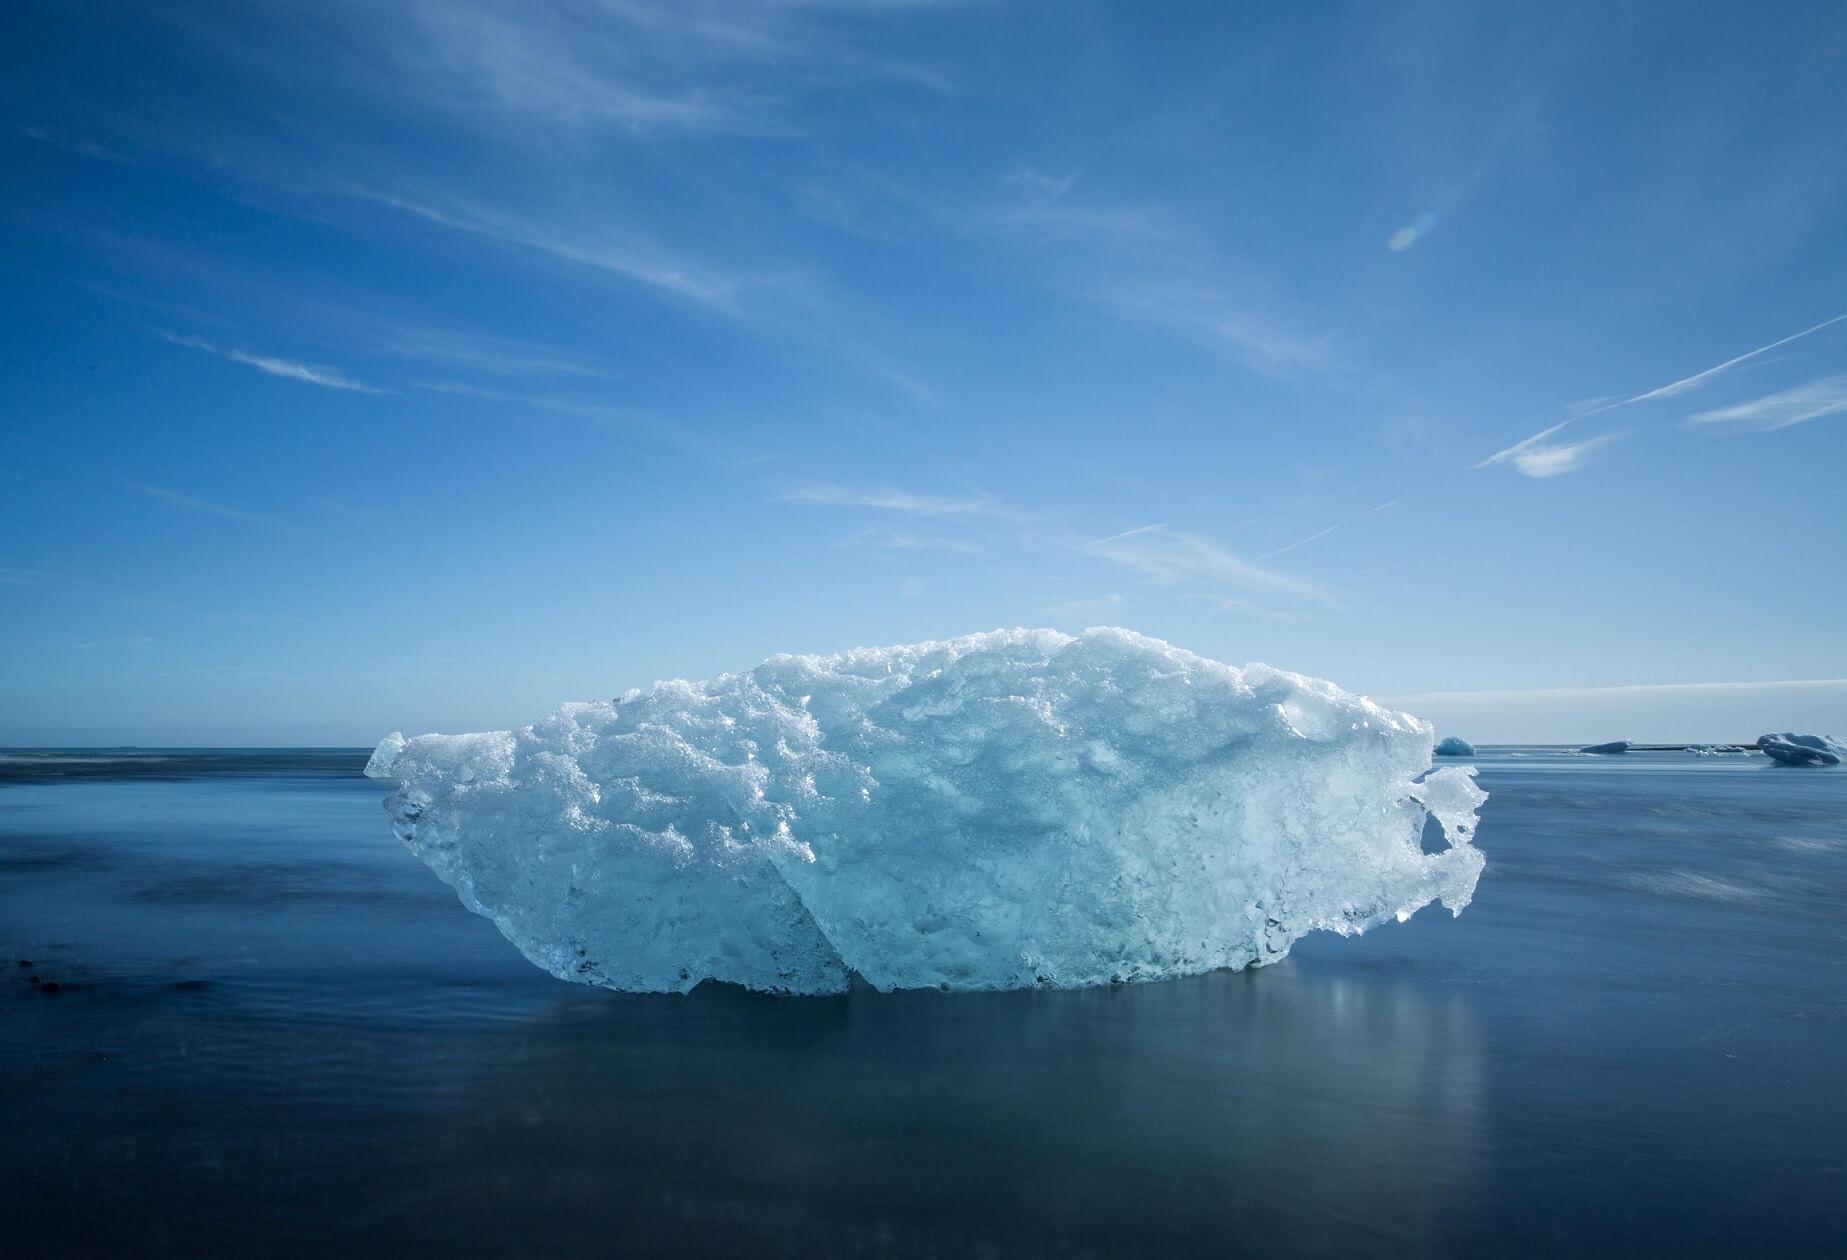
(1802, 750)
(996, 811)
(1614, 746)
(380, 763)
(1714, 750)
(1454, 746)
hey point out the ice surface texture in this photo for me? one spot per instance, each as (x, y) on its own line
(1802, 750)
(378, 766)
(992, 812)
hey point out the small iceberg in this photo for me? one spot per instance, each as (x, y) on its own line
(1454, 746)
(1802, 750)
(1604, 750)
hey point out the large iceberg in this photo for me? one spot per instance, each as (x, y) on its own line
(992, 812)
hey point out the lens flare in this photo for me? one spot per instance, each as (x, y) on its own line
(1407, 236)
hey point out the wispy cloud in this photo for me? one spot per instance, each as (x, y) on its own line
(1542, 459)
(1323, 533)
(1163, 554)
(898, 501)
(1213, 318)
(912, 542)
(197, 504)
(287, 369)
(642, 68)
(1824, 397)
(1138, 262)
(1159, 553)
(568, 89)
(1039, 186)
(1535, 453)
(71, 144)
(1143, 265)
(1536, 443)
(1045, 206)
(539, 63)
(789, 300)
(497, 356)
(1300, 542)
(627, 255)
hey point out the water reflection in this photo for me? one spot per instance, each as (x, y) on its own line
(1148, 1118)
(277, 1034)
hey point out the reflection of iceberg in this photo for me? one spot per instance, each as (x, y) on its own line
(991, 812)
(1342, 1103)
(1454, 746)
(1802, 750)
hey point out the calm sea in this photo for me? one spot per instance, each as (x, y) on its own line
(276, 1033)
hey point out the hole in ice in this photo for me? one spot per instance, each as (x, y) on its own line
(1434, 839)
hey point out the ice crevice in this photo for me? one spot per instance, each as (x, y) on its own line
(996, 811)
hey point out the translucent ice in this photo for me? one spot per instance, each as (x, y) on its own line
(378, 766)
(1454, 746)
(997, 811)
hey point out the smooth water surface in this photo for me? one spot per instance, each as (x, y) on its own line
(276, 1033)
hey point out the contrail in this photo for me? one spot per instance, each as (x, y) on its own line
(1682, 386)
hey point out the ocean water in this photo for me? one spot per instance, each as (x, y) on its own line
(274, 1032)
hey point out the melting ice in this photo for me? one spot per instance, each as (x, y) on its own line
(991, 812)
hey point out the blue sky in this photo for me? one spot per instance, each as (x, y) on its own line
(425, 365)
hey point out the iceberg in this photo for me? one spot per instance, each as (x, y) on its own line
(1604, 750)
(1454, 746)
(1802, 750)
(1005, 810)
